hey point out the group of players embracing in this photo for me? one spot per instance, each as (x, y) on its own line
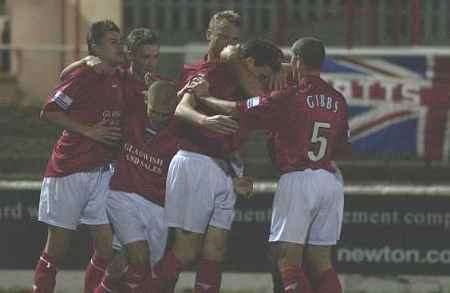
(152, 167)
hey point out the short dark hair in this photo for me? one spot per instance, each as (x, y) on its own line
(141, 36)
(264, 52)
(311, 50)
(97, 31)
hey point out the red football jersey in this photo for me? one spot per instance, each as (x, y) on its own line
(224, 85)
(144, 160)
(143, 163)
(308, 124)
(89, 98)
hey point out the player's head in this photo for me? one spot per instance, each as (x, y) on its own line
(143, 49)
(104, 41)
(307, 54)
(161, 102)
(261, 57)
(223, 30)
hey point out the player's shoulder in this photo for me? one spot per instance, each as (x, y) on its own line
(82, 71)
(315, 84)
(82, 74)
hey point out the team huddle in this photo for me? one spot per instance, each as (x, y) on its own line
(152, 167)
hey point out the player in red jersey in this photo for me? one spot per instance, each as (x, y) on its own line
(223, 29)
(141, 71)
(199, 196)
(143, 55)
(88, 106)
(309, 129)
(135, 203)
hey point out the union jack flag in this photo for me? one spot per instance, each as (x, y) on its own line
(399, 106)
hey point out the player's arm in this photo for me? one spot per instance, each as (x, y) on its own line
(186, 111)
(99, 132)
(219, 106)
(91, 61)
(67, 94)
(258, 112)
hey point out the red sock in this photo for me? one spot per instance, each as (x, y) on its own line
(44, 275)
(108, 284)
(208, 278)
(152, 283)
(94, 273)
(328, 283)
(167, 270)
(305, 284)
(289, 278)
(294, 280)
(135, 276)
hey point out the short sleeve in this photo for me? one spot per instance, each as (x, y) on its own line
(69, 90)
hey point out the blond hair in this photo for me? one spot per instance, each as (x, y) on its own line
(219, 18)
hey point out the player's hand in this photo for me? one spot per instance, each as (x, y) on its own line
(243, 186)
(98, 65)
(197, 84)
(279, 80)
(104, 133)
(220, 124)
(200, 86)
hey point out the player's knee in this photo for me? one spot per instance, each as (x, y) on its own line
(290, 254)
(102, 236)
(138, 253)
(187, 247)
(187, 256)
(316, 269)
(318, 261)
(117, 267)
(58, 241)
(104, 251)
(140, 258)
(214, 250)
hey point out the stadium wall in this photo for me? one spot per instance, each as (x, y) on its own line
(47, 35)
(388, 228)
(394, 240)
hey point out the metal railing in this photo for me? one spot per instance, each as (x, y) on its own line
(339, 22)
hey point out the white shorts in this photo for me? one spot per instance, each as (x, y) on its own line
(79, 198)
(308, 208)
(135, 218)
(198, 194)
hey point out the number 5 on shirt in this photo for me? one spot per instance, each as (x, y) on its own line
(316, 138)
